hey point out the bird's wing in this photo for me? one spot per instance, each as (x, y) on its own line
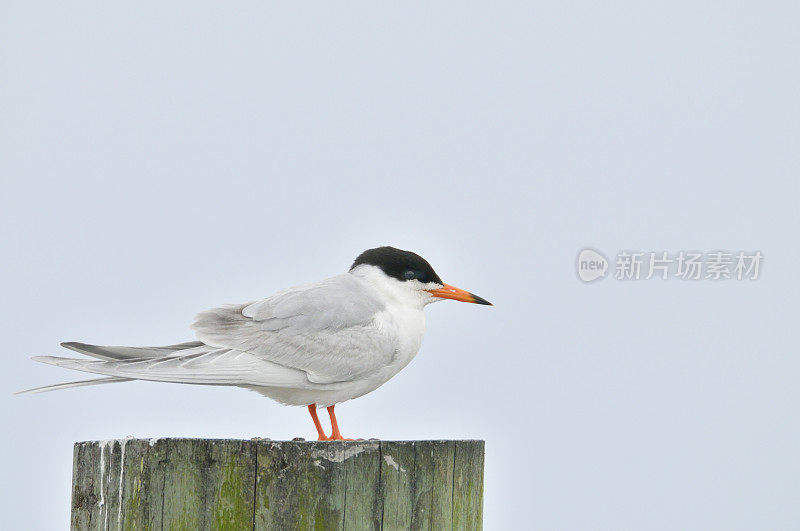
(325, 329)
(317, 335)
(111, 353)
(202, 365)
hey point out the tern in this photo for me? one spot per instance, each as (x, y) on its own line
(314, 345)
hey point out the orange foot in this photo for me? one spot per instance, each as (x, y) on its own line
(336, 435)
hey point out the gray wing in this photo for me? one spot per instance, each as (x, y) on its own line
(317, 334)
(111, 353)
(199, 365)
(324, 329)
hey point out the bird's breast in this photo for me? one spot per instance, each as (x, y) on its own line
(404, 327)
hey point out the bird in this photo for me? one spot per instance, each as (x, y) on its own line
(314, 345)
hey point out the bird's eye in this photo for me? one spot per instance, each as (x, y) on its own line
(410, 274)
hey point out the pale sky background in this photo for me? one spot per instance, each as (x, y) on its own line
(160, 158)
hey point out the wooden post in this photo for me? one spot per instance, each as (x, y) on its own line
(262, 484)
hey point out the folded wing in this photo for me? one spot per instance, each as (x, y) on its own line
(325, 329)
(305, 337)
(203, 366)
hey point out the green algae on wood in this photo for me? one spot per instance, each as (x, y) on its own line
(262, 484)
(209, 485)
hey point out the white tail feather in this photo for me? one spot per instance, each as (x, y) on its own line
(67, 385)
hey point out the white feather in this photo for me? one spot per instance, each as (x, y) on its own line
(67, 385)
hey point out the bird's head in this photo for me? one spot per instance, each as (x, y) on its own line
(408, 276)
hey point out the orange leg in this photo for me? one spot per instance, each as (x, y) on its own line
(312, 408)
(335, 433)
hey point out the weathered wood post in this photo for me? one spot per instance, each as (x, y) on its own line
(262, 484)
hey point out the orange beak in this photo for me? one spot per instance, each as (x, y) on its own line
(457, 294)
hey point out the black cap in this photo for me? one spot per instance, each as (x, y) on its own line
(399, 264)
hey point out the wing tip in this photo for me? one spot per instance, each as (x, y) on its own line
(74, 345)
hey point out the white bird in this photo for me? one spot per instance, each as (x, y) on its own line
(315, 345)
